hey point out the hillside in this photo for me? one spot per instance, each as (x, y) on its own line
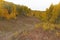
(19, 22)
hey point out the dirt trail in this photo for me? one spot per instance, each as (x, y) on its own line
(14, 30)
(9, 35)
(10, 29)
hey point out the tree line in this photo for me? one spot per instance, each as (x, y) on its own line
(10, 10)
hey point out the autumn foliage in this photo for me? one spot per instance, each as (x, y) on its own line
(10, 10)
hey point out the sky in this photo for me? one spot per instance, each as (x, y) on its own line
(35, 4)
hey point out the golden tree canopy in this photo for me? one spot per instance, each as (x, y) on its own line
(1, 0)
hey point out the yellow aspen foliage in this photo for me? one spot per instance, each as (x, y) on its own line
(45, 26)
(1, 12)
(49, 12)
(5, 13)
(13, 13)
(1, 0)
(44, 16)
(54, 13)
